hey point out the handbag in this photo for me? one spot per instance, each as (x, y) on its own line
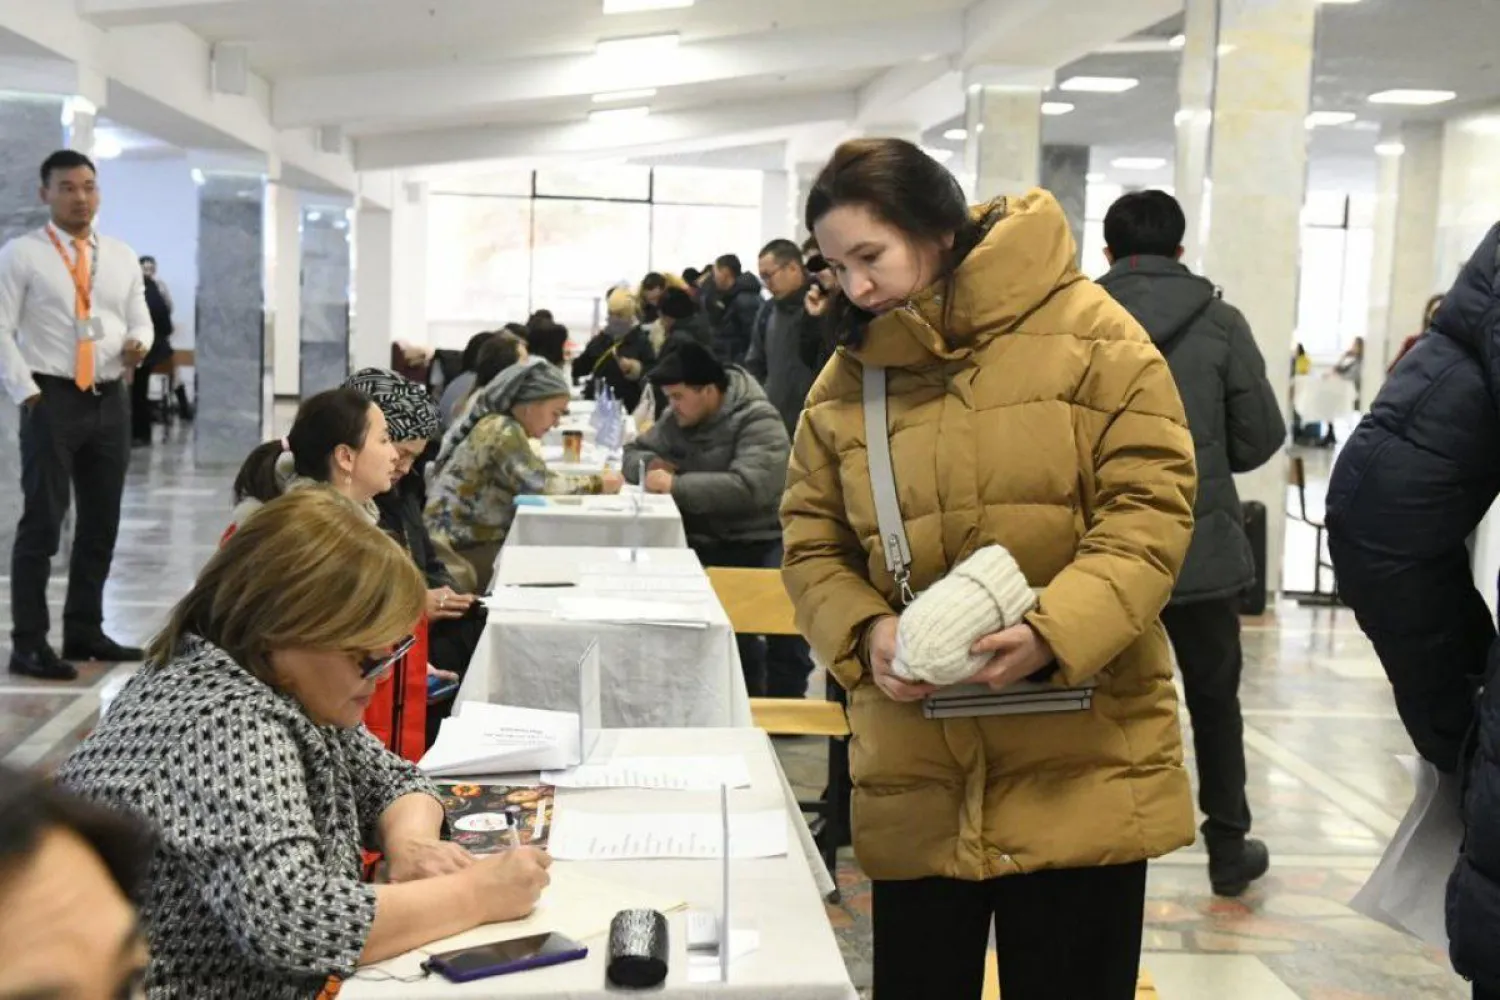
(964, 700)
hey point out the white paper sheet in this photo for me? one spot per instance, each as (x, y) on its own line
(1408, 888)
(578, 835)
(670, 589)
(597, 608)
(538, 599)
(671, 773)
(498, 739)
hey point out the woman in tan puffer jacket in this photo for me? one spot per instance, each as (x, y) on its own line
(1026, 410)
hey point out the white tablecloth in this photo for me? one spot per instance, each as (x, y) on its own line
(653, 676)
(798, 957)
(599, 521)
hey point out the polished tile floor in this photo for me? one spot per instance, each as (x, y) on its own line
(1321, 733)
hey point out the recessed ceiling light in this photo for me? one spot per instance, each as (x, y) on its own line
(1338, 1)
(1099, 84)
(1054, 108)
(1138, 163)
(941, 155)
(1325, 119)
(644, 94)
(107, 147)
(956, 134)
(1095, 177)
(1414, 98)
(1178, 41)
(616, 116)
(639, 47)
(634, 6)
(1390, 149)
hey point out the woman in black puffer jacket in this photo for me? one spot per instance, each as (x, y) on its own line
(1414, 482)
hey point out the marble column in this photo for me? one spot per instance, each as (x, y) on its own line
(1065, 172)
(1469, 198)
(372, 318)
(325, 298)
(231, 342)
(804, 174)
(1403, 270)
(1003, 151)
(1194, 121)
(32, 128)
(1261, 102)
(776, 218)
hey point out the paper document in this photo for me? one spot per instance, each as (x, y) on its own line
(579, 835)
(500, 739)
(539, 599)
(671, 589)
(671, 773)
(629, 612)
(1408, 888)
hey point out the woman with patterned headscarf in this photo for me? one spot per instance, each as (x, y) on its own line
(454, 624)
(487, 460)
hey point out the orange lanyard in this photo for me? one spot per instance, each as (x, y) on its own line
(84, 289)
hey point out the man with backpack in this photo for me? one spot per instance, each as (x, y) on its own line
(1235, 417)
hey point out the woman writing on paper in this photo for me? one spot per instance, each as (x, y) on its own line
(240, 742)
(487, 460)
(1038, 441)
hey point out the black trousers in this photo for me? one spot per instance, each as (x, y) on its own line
(776, 666)
(1206, 638)
(1064, 934)
(71, 442)
(140, 405)
(1480, 993)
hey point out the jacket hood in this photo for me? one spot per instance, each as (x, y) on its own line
(1026, 254)
(1161, 293)
(1467, 312)
(743, 391)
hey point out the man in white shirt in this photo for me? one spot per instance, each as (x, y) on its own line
(73, 321)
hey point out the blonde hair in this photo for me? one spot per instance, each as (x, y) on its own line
(622, 304)
(306, 571)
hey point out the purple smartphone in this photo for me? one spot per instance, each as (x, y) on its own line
(505, 957)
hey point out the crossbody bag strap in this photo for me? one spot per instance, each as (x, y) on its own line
(883, 483)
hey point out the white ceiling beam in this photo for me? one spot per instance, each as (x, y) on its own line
(743, 124)
(397, 95)
(1046, 35)
(119, 13)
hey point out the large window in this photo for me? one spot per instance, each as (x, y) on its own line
(501, 247)
(1338, 248)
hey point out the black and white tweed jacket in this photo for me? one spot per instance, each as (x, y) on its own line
(255, 890)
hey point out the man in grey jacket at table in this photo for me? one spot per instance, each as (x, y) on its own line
(721, 453)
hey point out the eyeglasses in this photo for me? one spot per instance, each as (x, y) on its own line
(376, 667)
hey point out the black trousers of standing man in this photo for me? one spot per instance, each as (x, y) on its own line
(79, 442)
(1206, 638)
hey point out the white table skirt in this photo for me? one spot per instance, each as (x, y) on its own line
(599, 521)
(652, 676)
(781, 898)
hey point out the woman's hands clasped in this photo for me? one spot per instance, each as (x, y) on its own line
(882, 653)
(1015, 654)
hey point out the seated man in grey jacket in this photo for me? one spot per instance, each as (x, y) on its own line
(721, 453)
(1235, 416)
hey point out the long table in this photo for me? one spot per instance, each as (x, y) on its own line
(780, 898)
(653, 676)
(598, 520)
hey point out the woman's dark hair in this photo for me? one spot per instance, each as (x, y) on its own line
(905, 188)
(653, 281)
(325, 421)
(540, 319)
(499, 354)
(550, 341)
(472, 348)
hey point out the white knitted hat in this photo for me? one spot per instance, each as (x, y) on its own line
(985, 593)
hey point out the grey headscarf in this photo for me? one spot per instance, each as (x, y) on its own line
(533, 379)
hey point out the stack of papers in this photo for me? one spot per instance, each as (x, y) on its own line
(1026, 698)
(678, 589)
(500, 739)
(624, 611)
(672, 773)
(586, 836)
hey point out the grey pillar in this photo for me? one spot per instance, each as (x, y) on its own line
(1065, 172)
(230, 348)
(325, 300)
(32, 129)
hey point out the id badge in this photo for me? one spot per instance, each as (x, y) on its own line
(90, 330)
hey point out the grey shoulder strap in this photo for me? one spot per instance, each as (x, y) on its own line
(883, 482)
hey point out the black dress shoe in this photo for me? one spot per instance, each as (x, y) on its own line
(101, 648)
(43, 664)
(1232, 869)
